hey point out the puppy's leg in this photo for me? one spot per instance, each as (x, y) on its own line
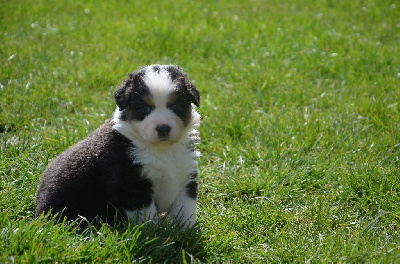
(142, 215)
(184, 207)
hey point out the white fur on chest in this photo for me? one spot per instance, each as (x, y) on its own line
(169, 168)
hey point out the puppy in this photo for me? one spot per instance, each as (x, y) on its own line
(138, 164)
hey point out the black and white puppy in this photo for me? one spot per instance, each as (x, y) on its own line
(140, 163)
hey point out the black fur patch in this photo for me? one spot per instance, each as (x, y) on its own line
(156, 68)
(132, 87)
(139, 109)
(94, 179)
(191, 189)
(182, 107)
(184, 84)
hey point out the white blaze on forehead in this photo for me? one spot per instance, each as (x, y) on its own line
(160, 85)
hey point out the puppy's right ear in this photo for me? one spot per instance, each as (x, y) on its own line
(121, 97)
(122, 94)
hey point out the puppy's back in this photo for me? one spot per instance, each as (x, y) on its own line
(79, 181)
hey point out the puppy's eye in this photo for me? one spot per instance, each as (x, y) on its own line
(145, 110)
(175, 107)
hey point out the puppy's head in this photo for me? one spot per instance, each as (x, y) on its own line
(155, 105)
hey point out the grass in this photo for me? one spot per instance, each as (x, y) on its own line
(300, 130)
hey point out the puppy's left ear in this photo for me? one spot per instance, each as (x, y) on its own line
(194, 93)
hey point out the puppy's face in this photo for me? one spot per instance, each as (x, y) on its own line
(155, 104)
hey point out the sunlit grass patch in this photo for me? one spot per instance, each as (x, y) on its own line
(300, 124)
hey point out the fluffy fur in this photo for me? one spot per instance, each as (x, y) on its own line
(138, 164)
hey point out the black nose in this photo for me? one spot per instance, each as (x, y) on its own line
(163, 130)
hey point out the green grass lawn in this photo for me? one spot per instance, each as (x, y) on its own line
(300, 124)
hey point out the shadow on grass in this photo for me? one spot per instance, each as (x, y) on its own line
(46, 239)
(163, 241)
